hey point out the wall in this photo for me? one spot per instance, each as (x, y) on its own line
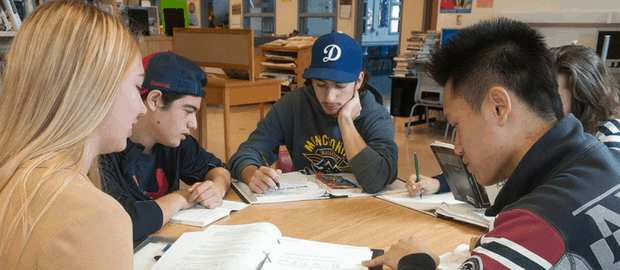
(411, 20)
(347, 26)
(287, 18)
(560, 21)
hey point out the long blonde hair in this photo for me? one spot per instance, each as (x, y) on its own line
(62, 75)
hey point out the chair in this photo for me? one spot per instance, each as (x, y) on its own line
(428, 94)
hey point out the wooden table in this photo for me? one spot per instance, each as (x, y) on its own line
(362, 221)
(230, 92)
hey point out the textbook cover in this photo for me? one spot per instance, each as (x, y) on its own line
(462, 182)
(337, 184)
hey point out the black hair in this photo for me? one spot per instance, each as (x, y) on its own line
(362, 87)
(499, 52)
(168, 97)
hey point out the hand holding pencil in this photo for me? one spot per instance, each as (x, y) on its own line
(426, 185)
(261, 178)
(420, 184)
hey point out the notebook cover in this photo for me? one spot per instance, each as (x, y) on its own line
(462, 182)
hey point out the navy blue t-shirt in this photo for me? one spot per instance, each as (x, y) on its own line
(135, 179)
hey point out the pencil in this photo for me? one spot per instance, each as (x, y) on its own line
(417, 171)
(267, 165)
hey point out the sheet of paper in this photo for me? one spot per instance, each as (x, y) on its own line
(294, 186)
(427, 202)
(298, 254)
(221, 247)
(396, 187)
(453, 260)
(200, 216)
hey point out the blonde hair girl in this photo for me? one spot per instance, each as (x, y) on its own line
(69, 94)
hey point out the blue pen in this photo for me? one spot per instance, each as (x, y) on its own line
(157, 257)
(417, 171)
(166, 248)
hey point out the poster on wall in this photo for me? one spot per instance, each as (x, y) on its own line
(455, 6)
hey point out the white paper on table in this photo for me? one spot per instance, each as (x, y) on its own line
(453, 260)
(221, 247)
(298, 254)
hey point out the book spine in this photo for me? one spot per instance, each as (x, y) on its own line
(243, 191)
(5, 21)
(189, 222)
(10, 8)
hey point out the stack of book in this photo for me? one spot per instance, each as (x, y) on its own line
(421, 44)
(418, 50)
(404, 66)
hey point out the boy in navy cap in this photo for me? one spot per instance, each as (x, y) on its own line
(144, 178)
(334, 124)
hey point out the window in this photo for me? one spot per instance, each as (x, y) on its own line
(394, 16)
(317, 17)
(259, 15)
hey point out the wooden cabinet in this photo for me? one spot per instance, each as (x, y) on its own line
(285, 63)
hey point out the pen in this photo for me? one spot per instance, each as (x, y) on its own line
(157, 257)
(417, 171)
(267, 165)
(260, 265)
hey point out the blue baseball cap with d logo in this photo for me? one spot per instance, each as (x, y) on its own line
(335, 57)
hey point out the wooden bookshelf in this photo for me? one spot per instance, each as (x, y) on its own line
(289, 61)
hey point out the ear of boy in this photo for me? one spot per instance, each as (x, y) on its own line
(360, 80)
(501, 103)
(153, 100)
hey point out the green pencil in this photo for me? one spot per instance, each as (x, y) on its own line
(417, 171)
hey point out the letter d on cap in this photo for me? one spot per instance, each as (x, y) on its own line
(330, 50)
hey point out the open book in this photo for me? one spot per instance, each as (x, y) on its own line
(296, 186)
(462, 182)
(200, 216)
(442, 205)
(257, 246)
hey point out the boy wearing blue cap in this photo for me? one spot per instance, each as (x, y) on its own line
(334, 124)
(144, 177)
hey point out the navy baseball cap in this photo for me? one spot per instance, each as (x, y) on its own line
(167, 71)
(335, 57)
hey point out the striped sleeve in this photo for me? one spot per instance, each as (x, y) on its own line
(609, 134)
(519, 239)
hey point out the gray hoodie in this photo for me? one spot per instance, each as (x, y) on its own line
(315, 143)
